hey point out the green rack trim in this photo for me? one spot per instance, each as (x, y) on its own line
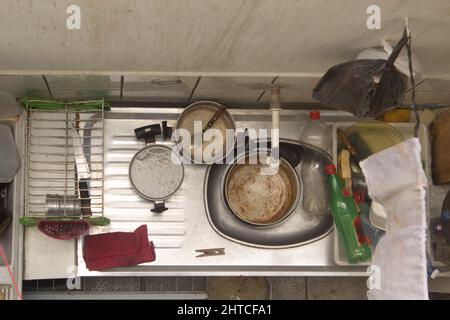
(38, 104)
(30, 103)
(33, 221)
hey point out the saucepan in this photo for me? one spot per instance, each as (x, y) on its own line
(156, 172)
(257, 198)
(210, 115)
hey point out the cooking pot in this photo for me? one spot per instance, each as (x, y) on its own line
(211, 115)
(257, 198)
(156, 171)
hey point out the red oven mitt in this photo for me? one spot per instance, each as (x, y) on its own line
(118, 249)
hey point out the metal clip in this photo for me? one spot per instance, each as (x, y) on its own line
(210, 252)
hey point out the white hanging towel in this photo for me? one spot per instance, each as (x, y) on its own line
(396, 179)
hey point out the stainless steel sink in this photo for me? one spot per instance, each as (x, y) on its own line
(298, 229)
(185, 226)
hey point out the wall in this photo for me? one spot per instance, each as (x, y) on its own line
(237, 47)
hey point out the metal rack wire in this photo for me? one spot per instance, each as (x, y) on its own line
(50, 158)
(6, 292)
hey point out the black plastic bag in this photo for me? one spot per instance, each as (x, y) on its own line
(363, 87)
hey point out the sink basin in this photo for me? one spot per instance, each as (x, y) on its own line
(187, 226)
(298, 229)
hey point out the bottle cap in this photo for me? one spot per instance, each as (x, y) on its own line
(359, 196)
(330, 169)
(314, 115)
(346, 192)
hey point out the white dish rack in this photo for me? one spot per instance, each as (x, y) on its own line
(50, 159)
(407, 130)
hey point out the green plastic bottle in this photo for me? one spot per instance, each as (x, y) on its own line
(346, 218)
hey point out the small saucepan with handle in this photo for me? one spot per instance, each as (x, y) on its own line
(156, 172)
(197, 119)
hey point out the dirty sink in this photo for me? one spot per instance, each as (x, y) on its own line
(186, 227)
(299, 228)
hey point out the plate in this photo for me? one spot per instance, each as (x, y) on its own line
(377, 216)
(369, 137)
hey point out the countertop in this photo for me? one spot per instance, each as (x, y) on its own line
(185, 226)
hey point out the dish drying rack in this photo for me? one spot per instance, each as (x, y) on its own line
(57, 135)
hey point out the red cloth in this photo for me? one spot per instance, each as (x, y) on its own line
(118, 249)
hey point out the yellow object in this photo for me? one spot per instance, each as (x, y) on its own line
(397, 115)
(427, 117)
(344, 168)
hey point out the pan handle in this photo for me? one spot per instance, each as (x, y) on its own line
(148, 133)
(160, 207)
(398, 47)
(242, 142)
(85, 198)
(166, 131)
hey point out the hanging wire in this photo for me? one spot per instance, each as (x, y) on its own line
(413, 83)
